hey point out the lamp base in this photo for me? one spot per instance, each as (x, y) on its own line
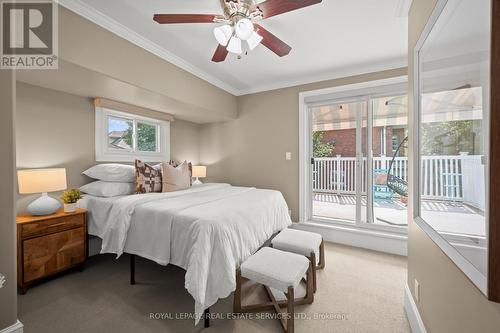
(44, 205)
(197, 181)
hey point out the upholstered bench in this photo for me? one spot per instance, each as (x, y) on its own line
(279, 270)
(306, 243)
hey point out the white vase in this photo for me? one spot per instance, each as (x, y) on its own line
(69, 208)
(44, 205)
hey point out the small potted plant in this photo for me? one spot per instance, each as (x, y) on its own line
(70, 199)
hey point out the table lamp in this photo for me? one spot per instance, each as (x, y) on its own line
(42, 181)
(199, 171)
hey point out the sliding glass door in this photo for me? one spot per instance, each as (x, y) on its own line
(359, 160)
(389, 147)
(338, 155)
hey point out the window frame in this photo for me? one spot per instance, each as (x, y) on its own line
(371, 89)
(103, 153)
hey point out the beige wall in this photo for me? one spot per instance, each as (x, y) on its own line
(85, 44)
(449, 302)
(251, 149)
(185, 141)
(55, 129)
(8, 294)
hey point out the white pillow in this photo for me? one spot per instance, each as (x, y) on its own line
(108, 189)
(112, 172)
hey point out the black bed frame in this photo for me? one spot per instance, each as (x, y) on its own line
(206, 313)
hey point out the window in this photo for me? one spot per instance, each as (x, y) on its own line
(124, 137)
(120, 131)
(147, 135)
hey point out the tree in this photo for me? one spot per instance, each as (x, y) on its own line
(146, 137)
(127, 137)
(320, 148)
(448, 138)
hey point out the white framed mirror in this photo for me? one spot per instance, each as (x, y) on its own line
(452, 146)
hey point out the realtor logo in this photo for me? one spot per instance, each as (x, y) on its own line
(29, 34)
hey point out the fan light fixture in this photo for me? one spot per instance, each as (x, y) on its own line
(235, 45)
(240, 21)
(254, 40)
(231, 37)
(223, 34)
(244, 29)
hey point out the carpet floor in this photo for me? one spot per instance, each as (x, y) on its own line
(358, 291)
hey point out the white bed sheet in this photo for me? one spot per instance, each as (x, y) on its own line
(208, 230)
(98, 209)
(142, 232)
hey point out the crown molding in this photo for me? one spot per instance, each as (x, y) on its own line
(106, 22)
(403, 8)
(331, 75)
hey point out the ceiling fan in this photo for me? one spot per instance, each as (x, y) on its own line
(239, 24)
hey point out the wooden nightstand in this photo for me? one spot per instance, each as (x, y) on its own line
(50, 244)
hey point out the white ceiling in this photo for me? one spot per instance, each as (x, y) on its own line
(332, 39)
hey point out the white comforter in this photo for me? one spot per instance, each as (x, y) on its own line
(207, 230)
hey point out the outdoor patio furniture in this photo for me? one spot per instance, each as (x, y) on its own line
(380, 188)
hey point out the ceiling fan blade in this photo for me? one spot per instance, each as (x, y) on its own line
(276, 7)
(184, 18)
(272, 42)
(220, 54)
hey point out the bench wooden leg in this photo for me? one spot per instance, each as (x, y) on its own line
(311, 283)
(237, 300)
(288, 325)
(321, 263)
(312, 260)
(309, 297)
(291, 311)
(289, 303)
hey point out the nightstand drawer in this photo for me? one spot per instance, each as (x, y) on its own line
(46, 255)
(52, 225)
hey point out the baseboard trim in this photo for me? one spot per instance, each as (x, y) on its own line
(363, 238)
(416, 323)
(16, 328)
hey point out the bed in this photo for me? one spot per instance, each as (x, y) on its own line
(208, 230)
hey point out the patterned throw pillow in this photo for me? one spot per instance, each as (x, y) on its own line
(147, 177)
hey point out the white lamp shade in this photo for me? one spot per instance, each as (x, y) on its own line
(244, 29)
(199, 171)
(41, 180)
(234, 45)
(254, 40)
(223, 34)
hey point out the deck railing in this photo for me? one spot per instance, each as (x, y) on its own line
(455, 178)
